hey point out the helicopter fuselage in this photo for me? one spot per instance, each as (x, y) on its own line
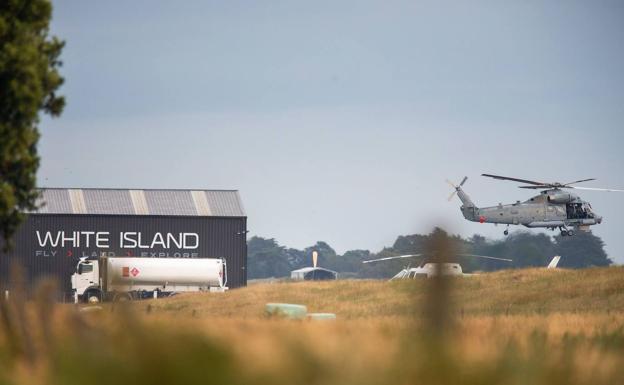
(552, 209)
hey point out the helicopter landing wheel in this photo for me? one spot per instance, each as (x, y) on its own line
(506, 232)
(570, 233)
(565, 233)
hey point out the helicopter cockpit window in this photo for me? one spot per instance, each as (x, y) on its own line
(588, 211)
(578, 211)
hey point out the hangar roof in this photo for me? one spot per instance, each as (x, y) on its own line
(313, 273)
(211, 203)
(309, 269)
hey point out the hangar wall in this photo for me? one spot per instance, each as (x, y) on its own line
(51, 241)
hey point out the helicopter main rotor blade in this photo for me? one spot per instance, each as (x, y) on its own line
(485, 256)
(450, 198)
(516, 179)
(463, 181)
(537, 187)
(420, 255)
(594, 189)
(579, 181)
(389, 258)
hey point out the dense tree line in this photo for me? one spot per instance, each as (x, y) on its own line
(29, 80)
(267, 258)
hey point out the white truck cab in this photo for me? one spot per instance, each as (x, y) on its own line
(86, 281)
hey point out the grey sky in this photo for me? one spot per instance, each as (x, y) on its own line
(339, 121)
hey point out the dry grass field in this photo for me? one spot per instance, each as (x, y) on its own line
(509, 292)
(511, 327)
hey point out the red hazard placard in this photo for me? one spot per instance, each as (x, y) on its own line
(134, 271)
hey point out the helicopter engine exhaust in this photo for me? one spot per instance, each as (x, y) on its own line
(561, 198)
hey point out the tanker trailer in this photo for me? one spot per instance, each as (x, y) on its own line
(123, 278)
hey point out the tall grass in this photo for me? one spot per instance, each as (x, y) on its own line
(527, 327)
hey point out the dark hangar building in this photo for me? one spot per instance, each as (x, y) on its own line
(76, 223)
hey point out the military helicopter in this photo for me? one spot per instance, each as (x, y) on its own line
(553, 208)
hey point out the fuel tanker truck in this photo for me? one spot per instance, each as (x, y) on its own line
(126, 278)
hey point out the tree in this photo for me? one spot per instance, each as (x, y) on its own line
(266, 258)
(528, 249)
(409, 244)
(351, 261)
(584, 249)
(29, 78)
(326, 255)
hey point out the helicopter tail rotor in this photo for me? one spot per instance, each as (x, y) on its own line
(456, 188)
(450, 198)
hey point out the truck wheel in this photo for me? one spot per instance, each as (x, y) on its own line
(92, 296)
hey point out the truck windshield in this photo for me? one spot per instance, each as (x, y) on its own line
(83, 268)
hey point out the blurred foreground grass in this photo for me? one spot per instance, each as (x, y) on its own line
(513, 327)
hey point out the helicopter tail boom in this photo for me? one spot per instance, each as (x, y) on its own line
(467, 202)
(469, 209)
